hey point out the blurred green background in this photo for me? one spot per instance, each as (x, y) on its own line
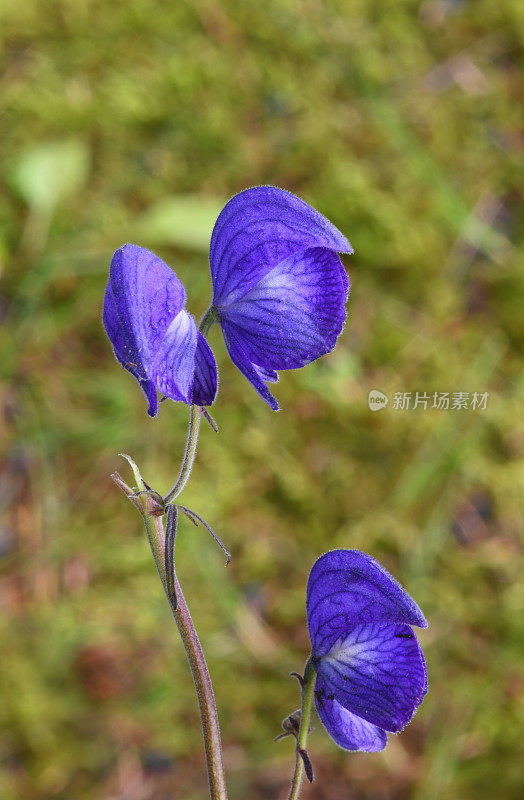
(136, 121)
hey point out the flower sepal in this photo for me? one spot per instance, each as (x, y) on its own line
(290, 725)
(144, 498)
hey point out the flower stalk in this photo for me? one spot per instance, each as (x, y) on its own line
(195, 414)
(302, 762)
(153, 521)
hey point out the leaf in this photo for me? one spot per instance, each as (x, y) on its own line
(182, 220)
(48, 173)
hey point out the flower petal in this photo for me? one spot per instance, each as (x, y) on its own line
(294, 313)
(184, 368)
(149, 389)
(348, 588)
(266, 374)
(118, 336)
(153, 337)
(346, 729)
(255, 375)
(256, 230)
(126, 350)
(378, 672)
(148, 296)
(204, 388)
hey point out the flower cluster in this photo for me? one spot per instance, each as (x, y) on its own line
(279, 294)
(371, 673)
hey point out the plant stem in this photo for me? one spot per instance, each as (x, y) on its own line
(151, 513)
(195, 414)
(308, 689)
(207, 320)
(206, 698)
(189, 455)
(197, 663)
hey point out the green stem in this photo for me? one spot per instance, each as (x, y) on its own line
(210, 317)
(308, 693)
(195, 414)
(197, 662)
(189, 455)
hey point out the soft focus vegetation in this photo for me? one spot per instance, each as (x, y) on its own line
(135, 121)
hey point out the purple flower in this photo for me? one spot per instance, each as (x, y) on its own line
(152, 334)
(279, 286)
(371, 673)
(279, 292)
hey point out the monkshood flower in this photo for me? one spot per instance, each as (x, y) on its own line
(152, 334)
(370, 671)
(279, 287)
